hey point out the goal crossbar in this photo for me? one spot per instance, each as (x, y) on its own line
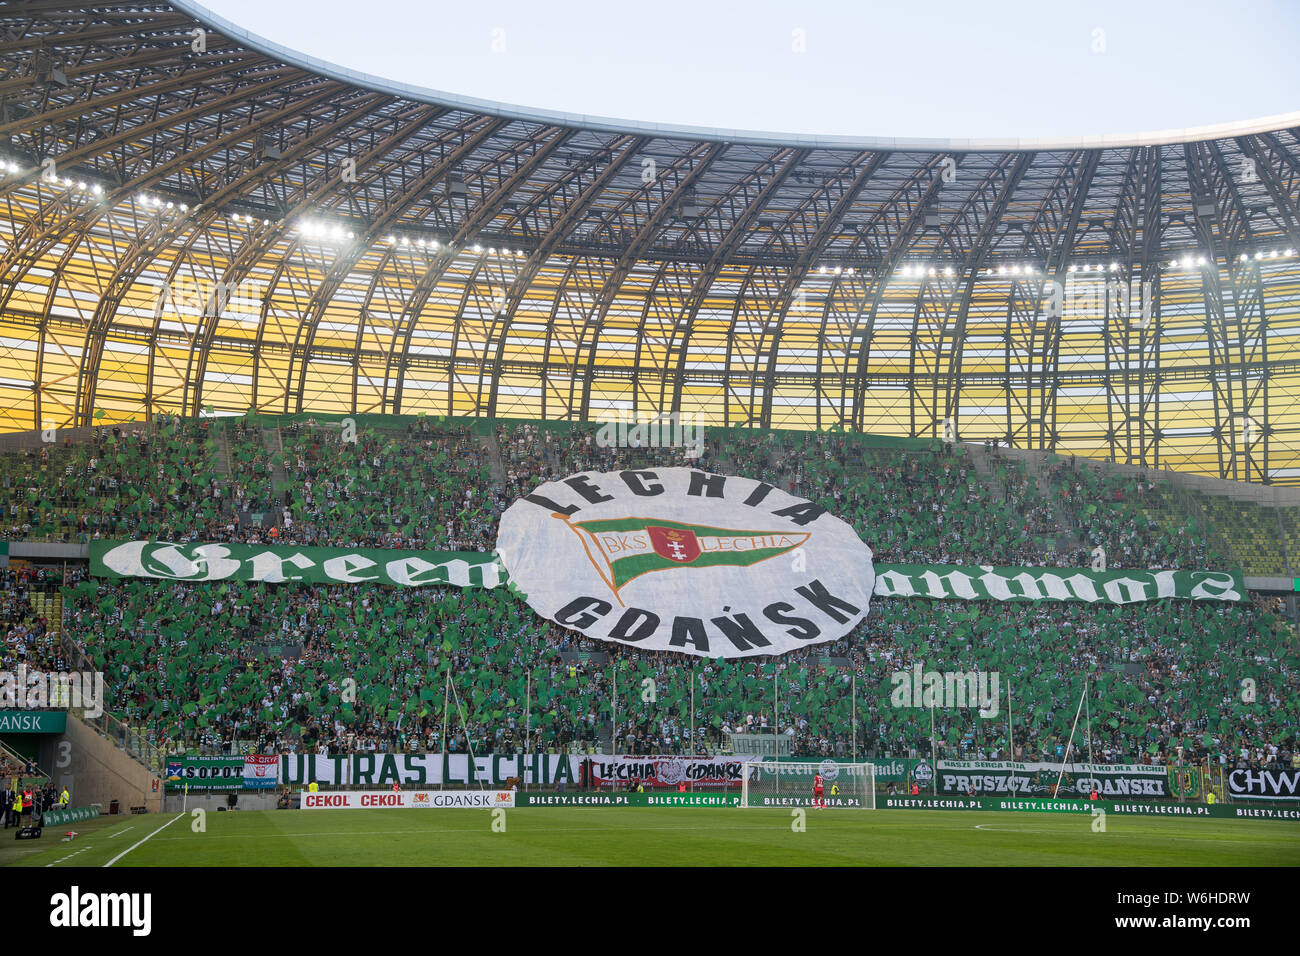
(787, 783)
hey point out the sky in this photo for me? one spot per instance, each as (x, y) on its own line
(908, 68)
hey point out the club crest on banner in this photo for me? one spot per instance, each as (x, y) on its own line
(672, 771)
(678, 559)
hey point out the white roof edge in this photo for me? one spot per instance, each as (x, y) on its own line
(751, 137)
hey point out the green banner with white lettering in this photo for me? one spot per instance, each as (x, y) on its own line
(280, 564)
(955, 582)
(276, 564)
(1204, 811)
(896, 769)
(51, 818)
(33, 721)
(627, 799)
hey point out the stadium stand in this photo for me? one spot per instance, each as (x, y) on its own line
(225, 667)
(31, 606)
(530, 277)
(1136, 523)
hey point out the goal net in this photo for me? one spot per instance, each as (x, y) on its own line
(779, 783)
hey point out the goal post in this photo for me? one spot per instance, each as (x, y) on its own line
(789, 783)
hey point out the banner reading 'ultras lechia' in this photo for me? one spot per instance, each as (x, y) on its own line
(278, 564)
(676, 559)
(499, 770)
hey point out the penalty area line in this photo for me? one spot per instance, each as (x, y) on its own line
(990, 828)
(133, 846)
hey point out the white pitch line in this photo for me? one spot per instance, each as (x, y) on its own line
(69, 856)
(114, 836)
(990, 828)
(130, 848)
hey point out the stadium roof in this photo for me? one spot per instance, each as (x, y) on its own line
(195, 218)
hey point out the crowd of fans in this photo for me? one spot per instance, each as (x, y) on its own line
(225, 667)
(422, 485)
(182, 661)
(28, 638)
(1123, 515)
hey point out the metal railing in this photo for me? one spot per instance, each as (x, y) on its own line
(133, 740)
(9, 754)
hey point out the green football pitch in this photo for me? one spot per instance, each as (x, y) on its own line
(589, 836)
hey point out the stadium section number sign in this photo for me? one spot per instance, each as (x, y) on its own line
(676, 559)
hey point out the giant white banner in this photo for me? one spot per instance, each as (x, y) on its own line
(677, 559)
